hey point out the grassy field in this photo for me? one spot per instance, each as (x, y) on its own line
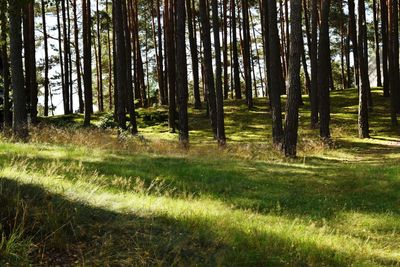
(87, 197)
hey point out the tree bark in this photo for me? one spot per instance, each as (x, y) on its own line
(292, 105)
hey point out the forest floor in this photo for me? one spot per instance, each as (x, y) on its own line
(83, 196)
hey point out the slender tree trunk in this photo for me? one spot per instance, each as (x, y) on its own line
(353, 37)
(236, 70)
(323, 71)
(292, 105)
(363, 126)
(120, 62)
(208, 65)
(170, 25)
(110, 63)
(6, 67)
(78, 59)
(17, 76)
(314, 65)
(181, 73)
(99, 54)
(218, 82)
(247, 54)
(394, 58)
(87, 63)
(46, 61)
(160, 66)
(275, 73)
(194, 56)
(377, 42)
(66, 94)
(130, 99)
(385, 44)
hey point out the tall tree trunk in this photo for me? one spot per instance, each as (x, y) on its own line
(236, 70)
(60, 52)
(171, 63)
(394, 58)
(353, 37)
(225, 48)
(194, 55)
(208, 65)
(363, 126)
(385, 44)
(99, 54)
(120, 62)
(66, 92)
(6, 67)
(314, 65)
(181, 73)
(323, 71)
(46, 61)
(130, 99)
(78, 59)
(87, 62)
(218, 71)
(247, 54)
(292, 105)
(30, 61)
(275, 73)
(17, 74)
(377, 42)
(160, 68)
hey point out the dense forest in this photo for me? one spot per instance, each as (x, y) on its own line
(183, 102)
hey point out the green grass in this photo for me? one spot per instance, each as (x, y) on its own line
(85, 197)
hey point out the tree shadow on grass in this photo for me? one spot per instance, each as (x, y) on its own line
(319, 189)
(67, 232)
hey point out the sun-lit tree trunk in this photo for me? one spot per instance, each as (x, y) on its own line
(377, 42)
(170, 25)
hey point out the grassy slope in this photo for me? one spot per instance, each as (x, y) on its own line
(85, 197)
